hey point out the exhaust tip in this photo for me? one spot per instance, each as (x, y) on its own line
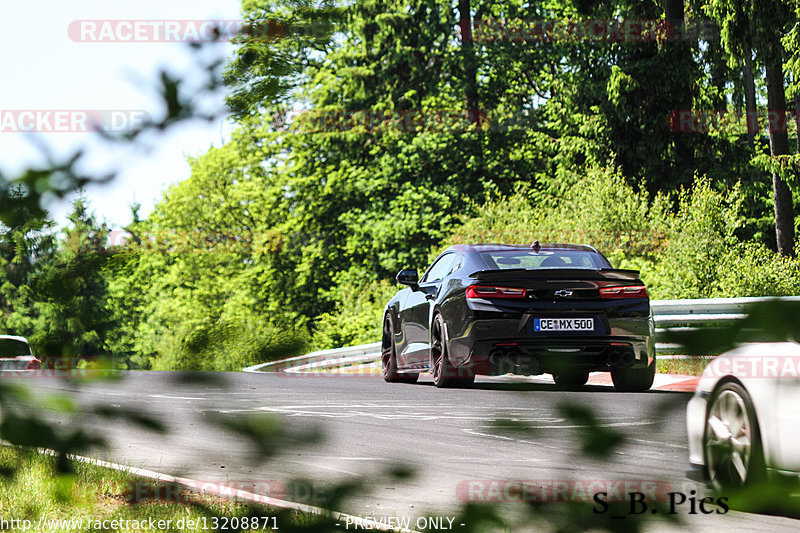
(627, 358)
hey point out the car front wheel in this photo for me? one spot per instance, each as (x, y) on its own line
(732, 441)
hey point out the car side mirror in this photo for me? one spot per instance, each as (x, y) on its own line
(408, 277)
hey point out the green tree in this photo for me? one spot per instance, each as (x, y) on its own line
(26, 244)
(68, 293)
(199, 285)
(761, 25)
(53, 292)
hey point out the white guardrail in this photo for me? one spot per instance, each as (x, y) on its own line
(349, 355)
(669, 315)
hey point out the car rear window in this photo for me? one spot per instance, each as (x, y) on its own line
(505, 259)
(13, 348)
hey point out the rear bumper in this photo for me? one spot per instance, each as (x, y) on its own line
(501, 346)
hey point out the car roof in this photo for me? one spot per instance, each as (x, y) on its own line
(496, 247)
(14, 338)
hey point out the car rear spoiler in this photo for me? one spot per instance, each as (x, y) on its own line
(557, 273)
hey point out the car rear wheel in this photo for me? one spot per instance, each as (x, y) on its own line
(444, 373)
(389, 357)
(634, 379)
(732, 441)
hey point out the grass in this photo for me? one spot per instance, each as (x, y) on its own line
(691, 367)
(32, 490)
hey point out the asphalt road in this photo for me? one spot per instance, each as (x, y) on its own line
(474, 445)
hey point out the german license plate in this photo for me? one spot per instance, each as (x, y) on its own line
(563, 324)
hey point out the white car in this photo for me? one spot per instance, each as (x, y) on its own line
(16, 355)
(744, 419)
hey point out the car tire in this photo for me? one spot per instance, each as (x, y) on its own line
(634, 379)
(732, 446)
(444, 373)
(571, 380)
(389, 357)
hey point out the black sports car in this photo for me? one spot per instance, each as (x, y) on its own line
(493, 309)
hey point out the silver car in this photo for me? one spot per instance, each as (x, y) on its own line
(16, 355)
(744, 419)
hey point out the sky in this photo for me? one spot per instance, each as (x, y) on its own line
(49, 66)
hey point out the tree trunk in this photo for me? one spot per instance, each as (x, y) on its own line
(470, 69)
(779, 145)
(679, 53)
(749, 86)
(674, 13)
(470, 61)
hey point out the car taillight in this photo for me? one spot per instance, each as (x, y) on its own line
(34, 364)
(629, 291)
(484, 291)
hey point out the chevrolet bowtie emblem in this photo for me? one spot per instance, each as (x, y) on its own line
(563, 293)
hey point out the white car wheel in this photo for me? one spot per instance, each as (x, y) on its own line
(732, 443)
